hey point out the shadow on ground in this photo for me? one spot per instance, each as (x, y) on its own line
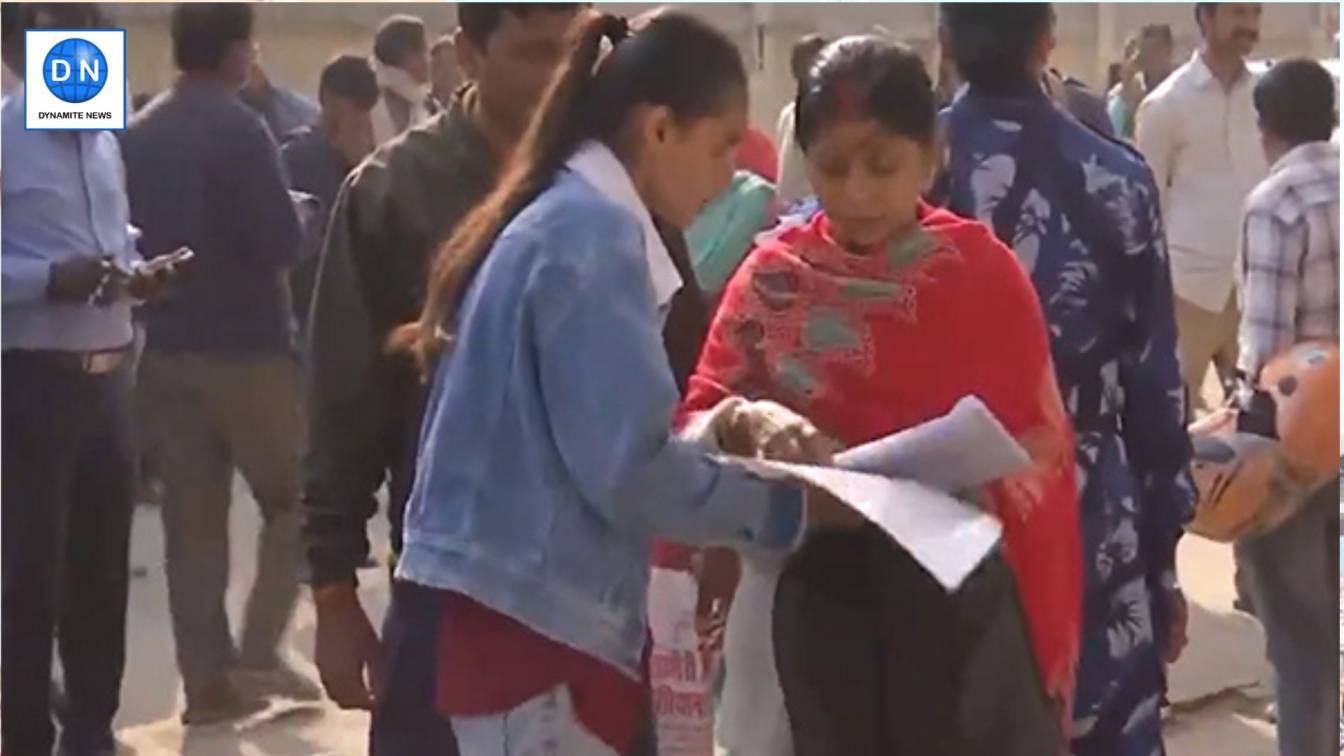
(287, 730)
(1220, 688)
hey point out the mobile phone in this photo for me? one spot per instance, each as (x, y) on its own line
(163, 262)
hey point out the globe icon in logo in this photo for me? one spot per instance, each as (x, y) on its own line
(75, 70)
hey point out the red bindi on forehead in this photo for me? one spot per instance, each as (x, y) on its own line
(847, 97)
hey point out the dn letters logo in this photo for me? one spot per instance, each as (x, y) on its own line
(75, 79)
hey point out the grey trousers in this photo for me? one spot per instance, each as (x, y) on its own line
(209, 415)
(1293, 577)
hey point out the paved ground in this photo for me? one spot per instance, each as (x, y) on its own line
(1217, 688)
(1220, 687)
(151, 698)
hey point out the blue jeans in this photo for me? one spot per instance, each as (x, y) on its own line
(1292, 575)
(546, 724)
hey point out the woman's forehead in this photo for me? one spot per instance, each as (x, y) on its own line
(859, 132)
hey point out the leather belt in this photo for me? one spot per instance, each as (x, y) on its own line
(90, 363)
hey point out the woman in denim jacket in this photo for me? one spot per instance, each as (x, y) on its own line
(547, 464)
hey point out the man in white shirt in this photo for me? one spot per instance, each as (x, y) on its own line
(1198, 133)
(445, 75)
(793, 185)
(401, 61)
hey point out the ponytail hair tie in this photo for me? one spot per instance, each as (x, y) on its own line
(618, 29)
(615, 30)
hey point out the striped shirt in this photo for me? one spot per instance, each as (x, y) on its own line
(1290, 255)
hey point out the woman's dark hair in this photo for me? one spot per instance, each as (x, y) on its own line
(398, 38)
(867, 77)
(992, 43)
(203, 33)
(673, 60)
(349, 76)
(480, 20)
(804, 54)
(1296, 101)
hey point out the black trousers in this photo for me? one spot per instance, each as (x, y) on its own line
(405, 721)
(67, 505)
(875, 658)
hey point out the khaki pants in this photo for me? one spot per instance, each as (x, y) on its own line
(209, 415)
(1203, 337)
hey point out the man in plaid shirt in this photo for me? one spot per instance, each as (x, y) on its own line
(1290, 293)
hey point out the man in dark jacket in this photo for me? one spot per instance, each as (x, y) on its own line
(389, 216)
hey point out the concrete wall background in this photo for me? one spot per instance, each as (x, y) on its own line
(297, 38)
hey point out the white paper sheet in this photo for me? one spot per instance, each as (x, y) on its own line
(903, 482)
(947, 537)
(961, 450)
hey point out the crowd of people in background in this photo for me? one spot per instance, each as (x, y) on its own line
(514, 284)
(1148, 62)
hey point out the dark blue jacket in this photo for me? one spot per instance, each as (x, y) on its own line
(203, 171)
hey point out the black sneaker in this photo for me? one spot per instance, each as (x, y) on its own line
(101, 744)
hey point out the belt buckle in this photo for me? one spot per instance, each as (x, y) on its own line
(101, 363)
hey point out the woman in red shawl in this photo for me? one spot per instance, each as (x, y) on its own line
(876, 314)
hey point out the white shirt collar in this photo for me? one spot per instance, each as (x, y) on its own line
(1199, 70)
(600, 167)
(401, 82)
(1201, 75)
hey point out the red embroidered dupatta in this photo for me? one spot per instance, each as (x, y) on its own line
(866, 345)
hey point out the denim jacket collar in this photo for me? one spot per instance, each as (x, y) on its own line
(600, 167)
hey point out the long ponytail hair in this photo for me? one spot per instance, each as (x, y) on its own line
(674, 60)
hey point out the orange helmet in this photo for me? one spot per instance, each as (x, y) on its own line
(1251, 482)
(1304, 383)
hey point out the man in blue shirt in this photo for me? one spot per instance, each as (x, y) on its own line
(318, 157)
(220, 372)
(70, 273)
(284, 110)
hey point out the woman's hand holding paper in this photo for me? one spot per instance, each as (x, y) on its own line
(768, 430)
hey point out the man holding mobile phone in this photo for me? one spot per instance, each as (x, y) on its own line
(220, 374)
(70, 275)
